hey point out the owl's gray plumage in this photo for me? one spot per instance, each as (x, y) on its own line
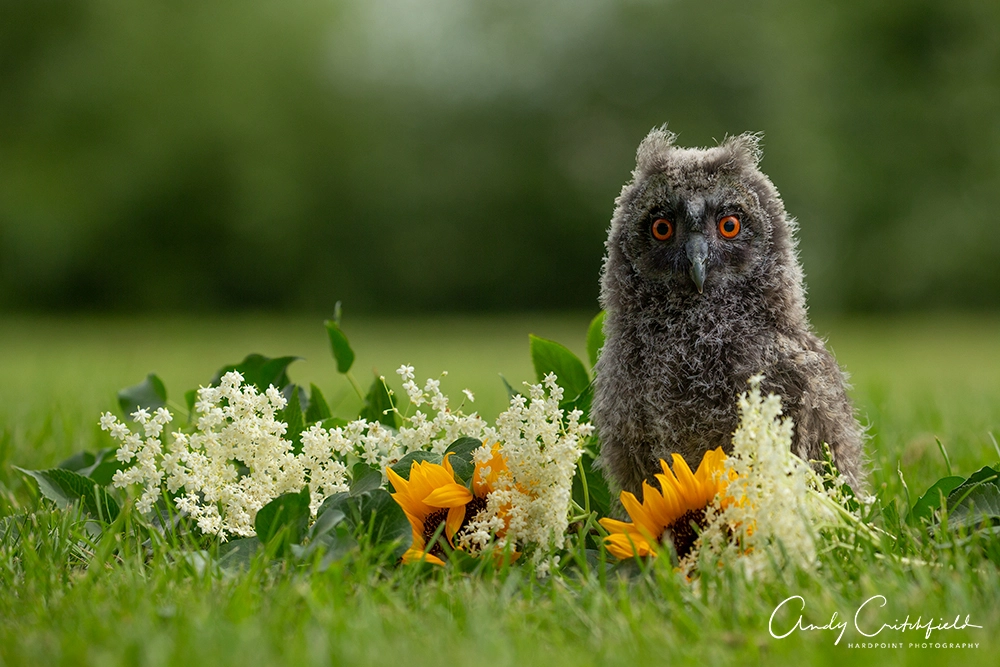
(677, 354)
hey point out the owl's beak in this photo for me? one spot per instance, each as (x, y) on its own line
(697, 252)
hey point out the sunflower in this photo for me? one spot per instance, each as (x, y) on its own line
(677, 508)
(432, 496)
(429, 498)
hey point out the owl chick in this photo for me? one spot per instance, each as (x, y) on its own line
(703, 289)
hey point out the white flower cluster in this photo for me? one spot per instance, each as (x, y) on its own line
(779, 498)
(378, 445)
(234, 462)
(531, 499)
(237, 459)
(147, 452)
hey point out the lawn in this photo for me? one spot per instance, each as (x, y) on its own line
(916, 380)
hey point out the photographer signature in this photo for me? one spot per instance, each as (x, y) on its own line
(867, 629)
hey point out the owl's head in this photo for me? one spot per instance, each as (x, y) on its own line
(697, 223)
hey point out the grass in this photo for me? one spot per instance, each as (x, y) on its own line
(66, 598)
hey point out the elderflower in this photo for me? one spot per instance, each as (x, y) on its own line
(531, 498)
(781, 499)
(235, 461)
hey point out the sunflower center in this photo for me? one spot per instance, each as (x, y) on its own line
(684, 532)
(431, 525)
(475, 506)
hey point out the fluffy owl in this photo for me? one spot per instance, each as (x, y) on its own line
(703, 289)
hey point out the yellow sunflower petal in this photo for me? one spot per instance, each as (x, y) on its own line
(655, 505)
(413, 507)
(456, 515)
(673, 501)
(398, 483)
(615, 526)
(639, 515)
(483, 485)
(449, 495)
(628, 545)
(687, 485)
(415, 555)
(435, 474)
(446, 464)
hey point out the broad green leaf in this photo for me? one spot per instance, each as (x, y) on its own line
(149, 394)
(931, 500)
(190, 398)
(595, 337)
(984, 474)
(286, 515)
(339, 345)
(260, 371)
(324, 534)
(78, 462)
(65, 487)
(549, 356)
(325, 522)
(364, 478)
(981, 504)
(318, 408)
(292, 415)
(235, 555)
(461, 459)
(100, 466)
(402, 466)
(376, 514)
(581, 402)
(104, 467)
(379, 406)
(333, 422)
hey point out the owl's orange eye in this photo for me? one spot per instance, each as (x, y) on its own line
(663, 229)
(729, 226)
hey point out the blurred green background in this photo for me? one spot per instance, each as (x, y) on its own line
(444, 155)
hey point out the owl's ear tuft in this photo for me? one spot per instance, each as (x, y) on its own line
(745, 148)
(652, 153)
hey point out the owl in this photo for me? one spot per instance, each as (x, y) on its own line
(703, 289)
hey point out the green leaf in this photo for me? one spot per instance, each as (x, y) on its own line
(595, 337)
(190, 398)
(549, 356)
(581, 402)
(318, 408)
(339, 345)
(325, 534)
(364, 478)
(461, 459)
(597, 486)
(99, 467)
(149, 394)
(931, 500)
(78, 462)
(286, 516)
(379, 406)
(984, 474)
(331, 423)
(325, 522)
(260, 371)
(402, 466)
(376, 514)
(292, 415)
(65, 487)
(980, 505)
(236, 555)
